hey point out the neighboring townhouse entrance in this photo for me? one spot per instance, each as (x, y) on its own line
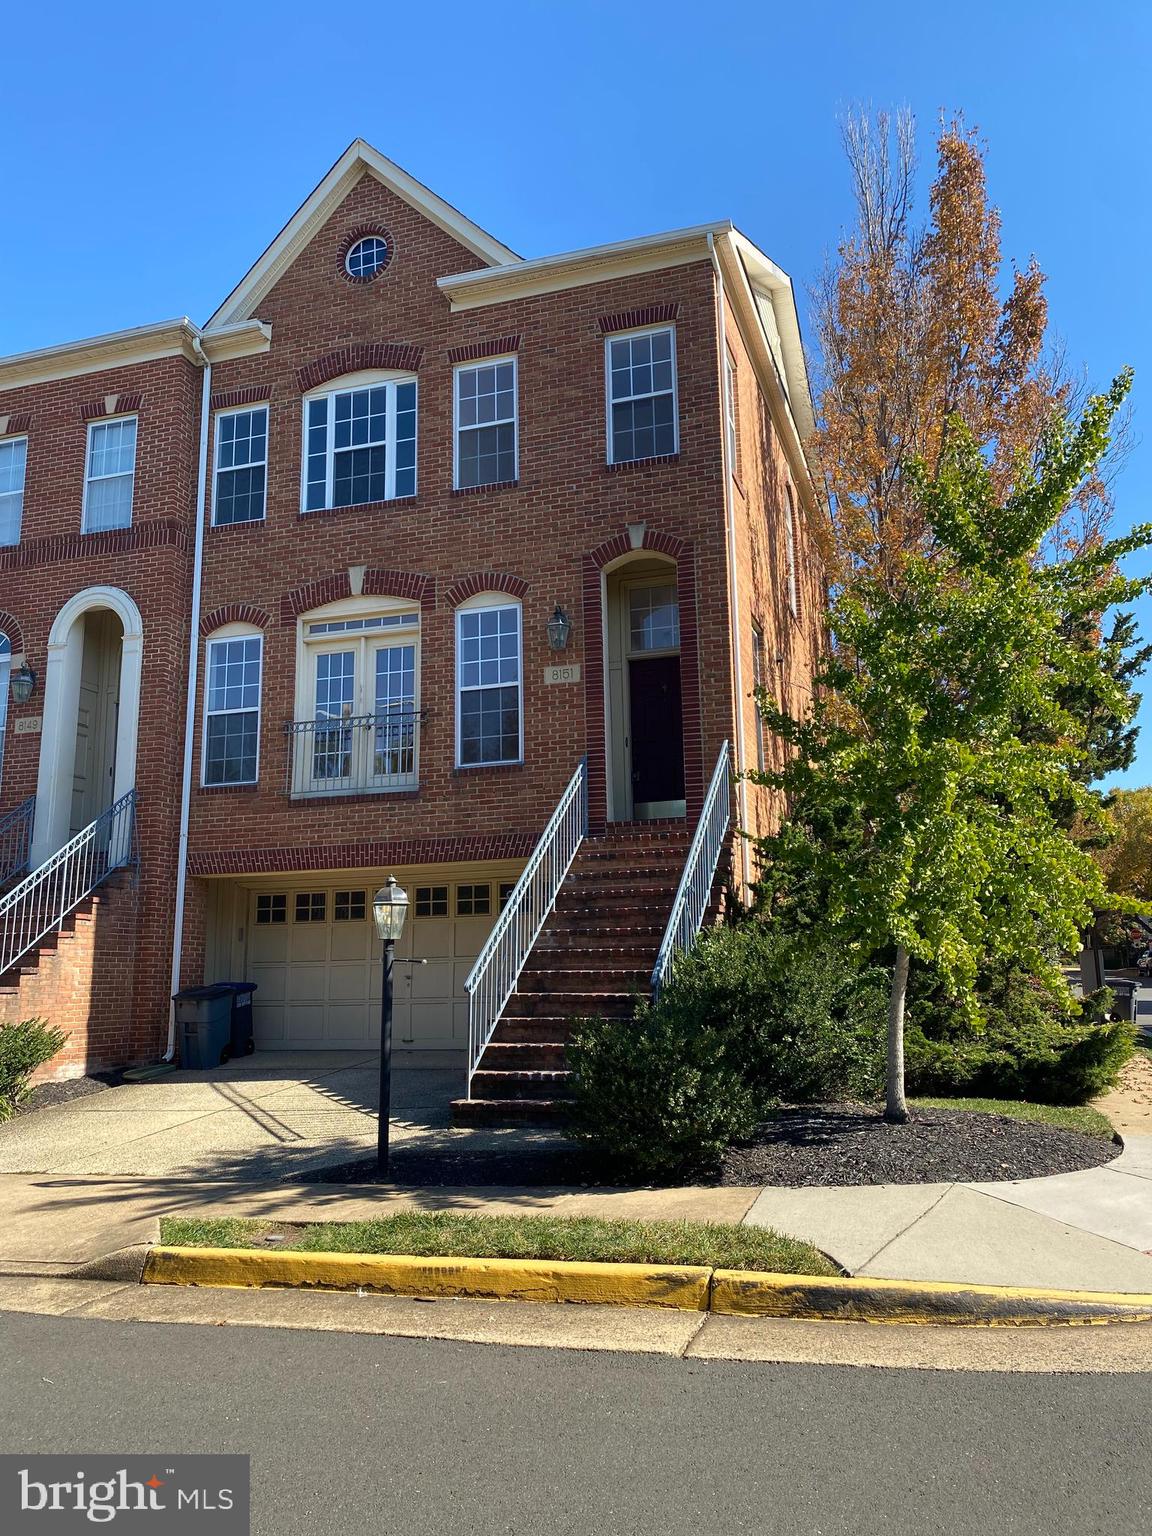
(311, 948)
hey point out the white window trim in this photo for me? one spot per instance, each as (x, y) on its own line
(644, 330)
(6, 659)
(107, 421)
(730, 427)
(790, 552)
(485, 362)
(19, 437)
(239, 410)
(348, 385)
(231, 632)
(759, 682)
(489, 600)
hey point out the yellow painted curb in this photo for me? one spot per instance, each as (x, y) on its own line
(746, 1293)
(682, 1286)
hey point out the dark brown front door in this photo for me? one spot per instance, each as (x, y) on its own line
(657, 734)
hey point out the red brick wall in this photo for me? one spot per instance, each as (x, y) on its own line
(539, 532)
(151, 561)
(791, 643)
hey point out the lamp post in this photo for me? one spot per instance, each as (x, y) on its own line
(389, 908)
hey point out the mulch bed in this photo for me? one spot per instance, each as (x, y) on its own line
(46, 1094)
(817, 1146)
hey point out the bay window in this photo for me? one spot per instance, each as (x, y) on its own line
(360, 444)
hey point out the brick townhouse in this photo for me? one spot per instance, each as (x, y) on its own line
(414, 552)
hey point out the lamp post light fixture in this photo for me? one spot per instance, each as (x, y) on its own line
(389, 908)
(559, 629)
(23, 683)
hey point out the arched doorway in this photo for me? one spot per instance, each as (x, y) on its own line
(91, 715)
(644, 689)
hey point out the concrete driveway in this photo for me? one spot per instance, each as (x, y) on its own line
(270, 1115)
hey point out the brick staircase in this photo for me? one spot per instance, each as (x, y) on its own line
(594, 956)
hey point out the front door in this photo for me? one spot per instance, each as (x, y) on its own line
(656, 736)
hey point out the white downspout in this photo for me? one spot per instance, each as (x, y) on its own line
(193, 688)
(733, 584)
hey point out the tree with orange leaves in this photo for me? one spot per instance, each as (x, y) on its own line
(914, 336)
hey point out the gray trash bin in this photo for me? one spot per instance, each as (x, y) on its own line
(243, 1036)
(204, 1016)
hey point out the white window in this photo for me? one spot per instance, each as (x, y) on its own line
(641, 395)
(111, 475)
(790, 553)
(13, 461)
(367, 257)
(232, 709)
(759, 678)
(360, 444)
(730, 415)
(241, 462)
(486, 423)
(358, 695)
(489, 713)
(5, 672)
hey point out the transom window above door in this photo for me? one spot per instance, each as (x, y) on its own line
(357, 729)
(653, 618)
(360, 445)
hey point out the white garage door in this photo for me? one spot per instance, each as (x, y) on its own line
(316, 961)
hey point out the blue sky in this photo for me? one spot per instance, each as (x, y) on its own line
(150, 152)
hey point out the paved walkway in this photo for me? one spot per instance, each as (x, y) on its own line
(92, 1176)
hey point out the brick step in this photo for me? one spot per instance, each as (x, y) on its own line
(510, 1111)
(544, 1029)
(589, 923)
(616, 915)
(574, 978)
(572, 1005)
(574, 955)
(636, 867)
(519, 1085)
(524, 1056)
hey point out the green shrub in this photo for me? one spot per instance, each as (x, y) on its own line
(803, 1023)
(24, 1047)
(1035, 1042)
(750, 1018)
(654, 1099)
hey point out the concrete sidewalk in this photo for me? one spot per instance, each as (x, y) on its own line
(1081, 1231)
(95, 1175)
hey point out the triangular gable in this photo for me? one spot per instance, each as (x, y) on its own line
(358, 160)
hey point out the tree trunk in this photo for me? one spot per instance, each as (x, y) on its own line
(895, 1109)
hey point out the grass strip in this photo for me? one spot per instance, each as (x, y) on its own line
(1078, 1117)
(451, 1235)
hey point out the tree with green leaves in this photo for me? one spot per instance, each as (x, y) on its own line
(935, 783)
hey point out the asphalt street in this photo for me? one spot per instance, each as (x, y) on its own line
(354, 1434)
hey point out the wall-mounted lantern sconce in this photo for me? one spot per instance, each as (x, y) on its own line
(23, 683)
(559, 629)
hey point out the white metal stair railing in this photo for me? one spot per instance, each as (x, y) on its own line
(40, 903)
(492, 980)
(693, 894)
(16, 838)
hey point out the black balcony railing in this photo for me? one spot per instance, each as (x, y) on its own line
(354, 755)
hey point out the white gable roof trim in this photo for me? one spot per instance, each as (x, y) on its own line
(358, 160)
